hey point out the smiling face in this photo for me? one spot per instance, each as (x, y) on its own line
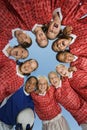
(22, 37)
(41, 38)
(19, 52)
(66, 57)
(62, 70)
(54, 28)
(29, 66)
(42, 85)
(54, 79)
(30, 85)
(61, 45)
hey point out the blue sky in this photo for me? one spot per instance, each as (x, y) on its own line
(47, 62)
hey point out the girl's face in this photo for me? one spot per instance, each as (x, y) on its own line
(19, 53)
(30, 85)
(29, 66)
(22, 37)
(61, 45)
(54, 29)
(66, 57)
(41, 38)
(54, 79)
(62, 70)
(42, 85)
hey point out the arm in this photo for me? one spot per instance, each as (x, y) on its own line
(67, 30)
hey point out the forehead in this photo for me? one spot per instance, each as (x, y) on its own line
(61, 56)
(52, 75)
(32, 80)
(60, 67)
(41, 80)
(31, 62)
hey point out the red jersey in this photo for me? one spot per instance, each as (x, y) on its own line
(46, 106)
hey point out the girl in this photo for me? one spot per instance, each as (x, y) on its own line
(25, 68)
(41, 38)
(16, 52)
(47, 108)
(77, 79)
(22, 37)
(19, 12)
(17, 102)
(68, 57)
(12, 76)
(63, 42)
(70, 100)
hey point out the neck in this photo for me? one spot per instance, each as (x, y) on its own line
(41, 92)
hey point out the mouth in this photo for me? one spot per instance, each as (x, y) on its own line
(55, 82)
(55, 25)
(65, 74)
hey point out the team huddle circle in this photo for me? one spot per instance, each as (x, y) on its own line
(43, 64)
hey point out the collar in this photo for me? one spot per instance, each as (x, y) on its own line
(74, 38)
(75, 58)
(58, 10)
(83, 16)
(4, 50)
(70, 75)
(36, 25)
(42, 94)
(27, 94)
(13, 30)
(17, 71)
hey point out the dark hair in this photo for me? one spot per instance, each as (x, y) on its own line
(53, 45)
(20, 46)
(59, 53)
(32, 77)
(26, 44)
(27, 74)
(61, 36)
(45, 28)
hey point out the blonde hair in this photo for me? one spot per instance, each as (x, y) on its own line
(52, 72)
(60, 65)
(43, 77)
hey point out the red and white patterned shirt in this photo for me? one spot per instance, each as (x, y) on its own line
(78, 82)
(46, 106)
(71, 101)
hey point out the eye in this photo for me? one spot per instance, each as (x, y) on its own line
(63, 43)
(57, 45)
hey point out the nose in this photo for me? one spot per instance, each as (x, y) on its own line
(51, 30)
